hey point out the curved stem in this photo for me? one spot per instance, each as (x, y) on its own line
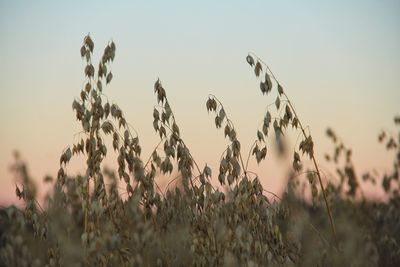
(248, 157)
(230, 123)
(316, 168)
(151, 154)
(312, 156)
(190, 154)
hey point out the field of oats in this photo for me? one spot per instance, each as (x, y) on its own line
(205, 216)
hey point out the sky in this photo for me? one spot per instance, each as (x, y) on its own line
(339, 62)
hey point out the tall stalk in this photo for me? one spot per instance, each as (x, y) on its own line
(290, 117)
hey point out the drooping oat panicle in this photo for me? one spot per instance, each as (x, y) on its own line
(290, 117)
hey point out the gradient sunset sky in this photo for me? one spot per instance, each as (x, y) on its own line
(339, 61)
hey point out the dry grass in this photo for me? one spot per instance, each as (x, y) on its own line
(85, 222)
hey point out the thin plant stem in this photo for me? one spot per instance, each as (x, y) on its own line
(312, 155)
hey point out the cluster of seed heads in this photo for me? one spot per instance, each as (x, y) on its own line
(91, 220)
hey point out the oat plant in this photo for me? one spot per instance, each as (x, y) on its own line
(280, 124)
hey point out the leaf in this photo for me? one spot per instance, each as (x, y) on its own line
(236, 167)
(114, 110)
(155, 125)
(296, 156)
(214, 104)
(112, 55)
(122, 122)
(268, 82)
(163, 117)
(109, 77)
(221, 178)
(157, 85)
(100, 72)
(296, 161)
(161, 95)
(135, 141)
(296, 165)
(112, 46)
(263, 87)
(228, 153)
(99, 85)
(75, 105)
(115, 144)
(126, 135)
(156, 114)
(88, 86)
(60, 173)
(285, 120)
(209, 105)
(168, 110)
(227, 130)
(235, 147)
(83, 51)
(94, 94)
(207, 171)
(295, 122)
(255, 149)
(258, 156)
(86, 125)
(107, 109)
(104, 150)
(258, 69)
(264, 152)
(89, 70)
(162, 132)
(222, 114)
(217, 121)
(83, 95)
(175, 129)
(277, 102)
(265, 129)
(18, 192)
(89, 43)
(268, 118)
(280, 89)
(126, 177)
(224, 164)
(288, 112)
(87, 55)
(107, 127)
(282, 124)
(250, 60)
(230, 179)
(68, 154)
(232, 135)
(202, 180)
(260, 136)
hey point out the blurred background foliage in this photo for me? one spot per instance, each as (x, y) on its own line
(86, 221)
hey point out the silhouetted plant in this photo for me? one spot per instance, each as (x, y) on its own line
(87, 222)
